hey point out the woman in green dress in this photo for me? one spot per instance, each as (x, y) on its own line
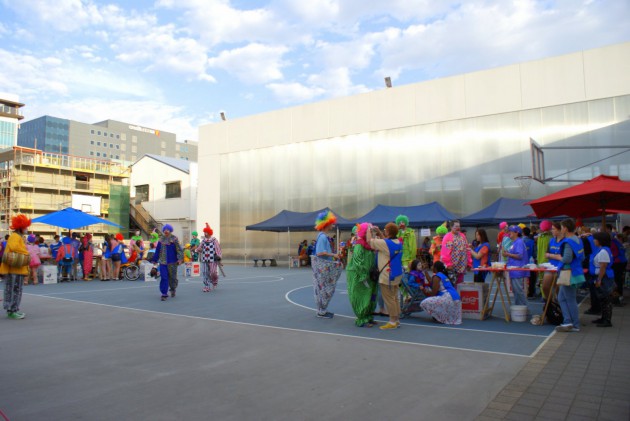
(361, 290)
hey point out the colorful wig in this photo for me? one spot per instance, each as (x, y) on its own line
(441, 230)
(503, 225)
(522, 225)
(119, 237)
(325, 219)
(19, 222)
(545, 225)
(167, 227)
(31, 238)
(207, 229)
(362, 230)
(402, 219)
(195, 233)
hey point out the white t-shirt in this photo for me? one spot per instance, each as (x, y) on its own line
(601, 257)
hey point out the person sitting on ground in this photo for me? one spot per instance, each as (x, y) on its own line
(187, 253)
(443, 303)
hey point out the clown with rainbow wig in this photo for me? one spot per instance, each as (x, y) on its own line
(14, 274)
(325, 264)
(169, 254)
(362, 290)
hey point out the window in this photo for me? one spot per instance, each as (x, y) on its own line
(92, 131)
(98, 154)
(173, 190)
(117, 156)
(98, 143)
(82, 182)
(111, 146)
(91, 142)
(111, 135)
(142, 193)
(92, 153)
(105, 134)
(117, 146)
(99, 132)
(117, 136)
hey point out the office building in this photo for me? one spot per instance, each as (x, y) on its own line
(10, 116)
(106, 140)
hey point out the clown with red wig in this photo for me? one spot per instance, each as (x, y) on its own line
(325, 264)
(13, 271)
(209, 251)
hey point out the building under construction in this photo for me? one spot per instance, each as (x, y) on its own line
(36, 183)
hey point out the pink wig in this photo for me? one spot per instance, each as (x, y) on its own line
(502, 225)
(362, 235)
(545, 225)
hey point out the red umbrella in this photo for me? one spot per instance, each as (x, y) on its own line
(599, 196)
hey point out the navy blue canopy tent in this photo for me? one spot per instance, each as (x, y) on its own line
(419, 216)
(287, 221)
(503, 209)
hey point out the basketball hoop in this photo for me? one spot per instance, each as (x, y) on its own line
(523, 181)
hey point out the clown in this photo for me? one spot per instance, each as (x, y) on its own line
(209, 251)
(194, 243)
(14, 275)
(407, 237)
(326, 270)
(169, 254)
(436, 245)
(361, 289)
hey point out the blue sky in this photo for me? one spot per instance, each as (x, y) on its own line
(176, 64)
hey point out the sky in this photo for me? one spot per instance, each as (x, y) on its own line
(174, 65)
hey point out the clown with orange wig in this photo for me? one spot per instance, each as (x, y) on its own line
(209, 251)
(326, 265)
(362, 290)
(15, 267)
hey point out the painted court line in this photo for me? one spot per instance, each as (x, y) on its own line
(417, 325)
(292, 329)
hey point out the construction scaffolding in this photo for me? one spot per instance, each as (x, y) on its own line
(36, 183)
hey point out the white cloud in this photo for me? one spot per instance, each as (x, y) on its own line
(254, 63)
(294, 92)
(61, 15)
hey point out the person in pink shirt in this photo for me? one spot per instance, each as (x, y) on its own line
(455, 252)
(33, 250)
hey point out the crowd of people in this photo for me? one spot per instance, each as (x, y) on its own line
(377, 261)
(22, 255)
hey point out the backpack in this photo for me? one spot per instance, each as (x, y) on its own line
(554, 314)
(67, 253)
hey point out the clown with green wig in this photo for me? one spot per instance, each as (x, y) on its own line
(194, 243)
(436, 245)
(407, 237)
(362, 291)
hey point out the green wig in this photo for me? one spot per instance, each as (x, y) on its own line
(402, 219)
(441, 230)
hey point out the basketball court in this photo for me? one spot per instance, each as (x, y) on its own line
(252, 349)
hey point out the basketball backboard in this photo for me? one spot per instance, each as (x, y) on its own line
(538, 161)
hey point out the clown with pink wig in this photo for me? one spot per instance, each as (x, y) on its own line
(362, 290)
(326, 265)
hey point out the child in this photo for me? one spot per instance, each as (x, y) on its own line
(417, 277)
(187, 254)
(33, 250)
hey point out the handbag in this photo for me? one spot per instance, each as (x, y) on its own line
(16, 260)
(375, 273)
(565, 277)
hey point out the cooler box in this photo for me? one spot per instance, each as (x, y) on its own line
(473, 295)
(49, 274)
(294, 262)
(192, 270)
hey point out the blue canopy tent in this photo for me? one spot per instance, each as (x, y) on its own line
(71, 218)
(419, 216)
(503, 209)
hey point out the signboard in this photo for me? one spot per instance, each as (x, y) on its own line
(87, 204)
(425, 232)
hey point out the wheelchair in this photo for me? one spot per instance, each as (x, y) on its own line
(129, 271)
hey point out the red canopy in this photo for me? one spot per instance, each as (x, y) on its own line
(602, 195)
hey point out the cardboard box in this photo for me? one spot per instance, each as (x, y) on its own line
(49, 274)
(473, 295)
(192, 269)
